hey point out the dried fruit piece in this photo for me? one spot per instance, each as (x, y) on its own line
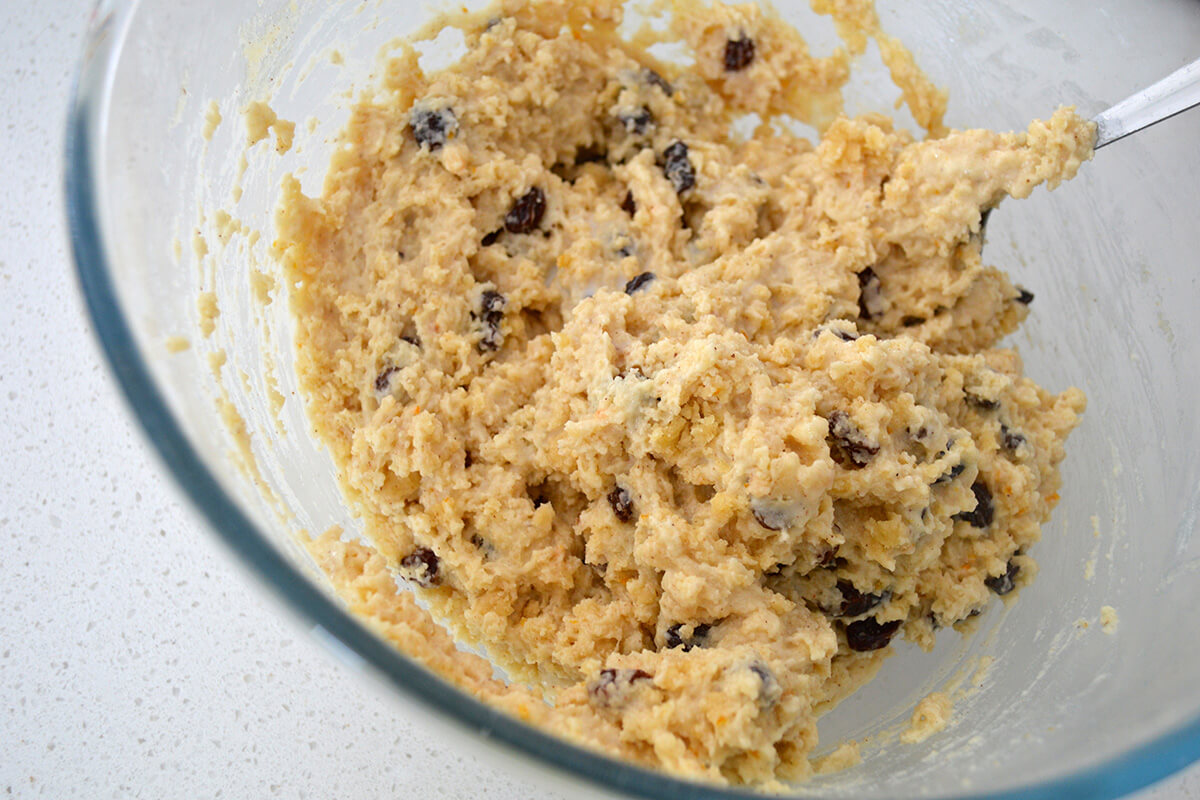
(870, 295)
(611, 688)
(1011, 440)
(849, 446)
(869, 634)
(984, 512)
(676, 638)
(422, 567)
(739, 53)
(678, 168)
(652, 78)
(1003, 584)
(954, 472)
(982, 403)
(491, 305)
(432, 127)
(383, 381)
(637, 121)
(526, 213)
(856, 603)
(771, 514)
(1025, 297)
(622, 503)
(638, 281)
(628, 205)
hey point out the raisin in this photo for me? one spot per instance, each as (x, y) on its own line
(654, 79)
(611, 687)
(739, 53)
(769, 689)
(1011, 439)
(421, 566)
(637, 121)
(869, 634)
(678, 168)
(628, 205)
(431, 128)
(848, 446)
(491, 305)
(383, 381)
(984, 512)
(982, 403)
(675, 636)
(771, 515)
(954, 472)
(622, 503)
(526, 213)
(1025, 297)
(870, 294)
(1003, 584)
(856, 603)
(638, 282)
(491, 238)
(909, 321)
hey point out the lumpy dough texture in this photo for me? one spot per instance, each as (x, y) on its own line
(684, 428)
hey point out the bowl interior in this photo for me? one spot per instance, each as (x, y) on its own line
(1043, 693)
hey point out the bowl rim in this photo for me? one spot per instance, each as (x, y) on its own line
(1133, 769)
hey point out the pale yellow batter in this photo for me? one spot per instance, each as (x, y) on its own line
(682, 428)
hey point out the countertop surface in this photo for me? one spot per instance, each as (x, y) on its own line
(136, 659)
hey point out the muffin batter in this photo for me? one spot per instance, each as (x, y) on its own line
(682, 427)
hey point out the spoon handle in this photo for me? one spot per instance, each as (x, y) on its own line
(1177, 92)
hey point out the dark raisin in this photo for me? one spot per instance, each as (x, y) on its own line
(491, 304)
(610, 688)
(771, 515)
(848, 446)
(856, 603)
(1025, 297)
(526, 213)
(982, 403)
(909, 321)
(628, 205)
(739, 53)
(869, 634)
(1003, 584)
(678, 168)
(984, 512)
(622, 503)
(769, 689)
(637, 121)
(870, 294)
(431, 128)
(383, 381)
(954, 472)
(654, 79)
(675, 636)
(421, 566)
(638, 282)
(1011, 439)
(491, 238)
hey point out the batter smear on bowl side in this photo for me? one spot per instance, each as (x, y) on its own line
(683, 427)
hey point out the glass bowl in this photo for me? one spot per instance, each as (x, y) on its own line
(1053, 706)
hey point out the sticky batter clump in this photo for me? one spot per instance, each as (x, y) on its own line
(684, 428)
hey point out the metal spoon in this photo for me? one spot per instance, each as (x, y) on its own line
(1172, 95)
(1175, 93)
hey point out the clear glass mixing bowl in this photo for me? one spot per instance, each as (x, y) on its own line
(1063, 710)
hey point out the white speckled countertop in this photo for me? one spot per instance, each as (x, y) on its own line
(136, 660)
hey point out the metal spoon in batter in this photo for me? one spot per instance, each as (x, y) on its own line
(1175, 93)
